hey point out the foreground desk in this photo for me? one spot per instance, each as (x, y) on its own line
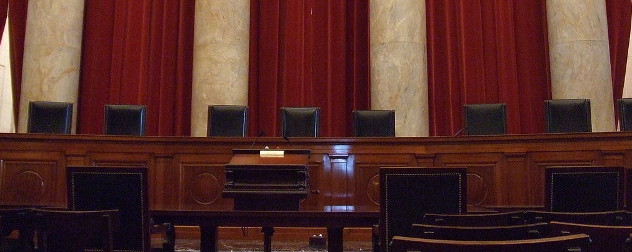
(334, 218)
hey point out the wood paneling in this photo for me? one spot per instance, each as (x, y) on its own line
(188, 172)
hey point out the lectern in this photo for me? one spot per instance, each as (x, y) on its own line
(267, 180)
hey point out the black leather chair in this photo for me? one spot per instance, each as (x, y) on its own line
(125, 120)
(485, 119)
(567, 115)
(584, 188)
(625, 114)
(227, 120)
(407, 194)
(374, 123)
(122, 188)
(75, 231)
(300, 121)
(50, 117)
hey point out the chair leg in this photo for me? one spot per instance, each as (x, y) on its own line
(375, 237)
(169, 243)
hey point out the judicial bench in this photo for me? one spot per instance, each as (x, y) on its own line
(188, 173)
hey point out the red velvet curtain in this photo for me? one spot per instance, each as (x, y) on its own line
(483, 51)
(138, 52)
(308, 53)
(618, 12)
(16, 11)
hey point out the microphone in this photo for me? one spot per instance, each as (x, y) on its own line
(458, 133)
(257, 138)
(288, 141)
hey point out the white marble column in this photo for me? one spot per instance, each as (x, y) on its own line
(580, 56)
(52, 54)
(399, 78)
(220, 57)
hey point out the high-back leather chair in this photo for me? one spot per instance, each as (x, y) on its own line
(374, 123)
(300, 121)
(123, 188)
(485, 119)
(125, 120)
(50, 117)
(625, 114)
(568, 115)
(227, 120)
(406, 194)
(584, 188)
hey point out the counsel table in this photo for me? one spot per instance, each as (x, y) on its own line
(335, 218)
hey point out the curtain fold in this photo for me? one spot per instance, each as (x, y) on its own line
(619, 15)
(487, 52)
(138, 52)
(308, 53)
(17, 10)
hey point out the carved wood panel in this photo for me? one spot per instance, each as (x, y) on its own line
(33, 178)
(483, 187)
(367, 170)
(202, 181)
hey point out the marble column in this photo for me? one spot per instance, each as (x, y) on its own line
(220, 58)
(580, 56)
(52, 54)
(399, 78)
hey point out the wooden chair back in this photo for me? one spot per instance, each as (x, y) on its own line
(475, 220)
(610, 218)
(493, 233)
(604, 238)
(75, 230)
(577, 242)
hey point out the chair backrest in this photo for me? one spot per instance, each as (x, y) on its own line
(406, 194)
(625, 114)
(611, 218)
(604, 238)
(567, 115)
(475, 220)
(125, 120)
(227, 120)
(487, 233)
(485, 119)
(49, 117)
(584, 188)
(576, 242)
(75, 231)
(20, 219)
(123, 188)
(300, 121)
(374, 123)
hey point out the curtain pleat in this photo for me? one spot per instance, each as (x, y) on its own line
(487, 52)
(308, 53)
(138, 52)
(619, 15)
(17, 10)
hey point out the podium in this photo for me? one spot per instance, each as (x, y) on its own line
(261, 182)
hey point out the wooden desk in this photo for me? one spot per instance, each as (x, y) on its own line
(187, 173)
(335, 218)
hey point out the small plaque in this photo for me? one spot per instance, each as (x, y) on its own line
(271, 153)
